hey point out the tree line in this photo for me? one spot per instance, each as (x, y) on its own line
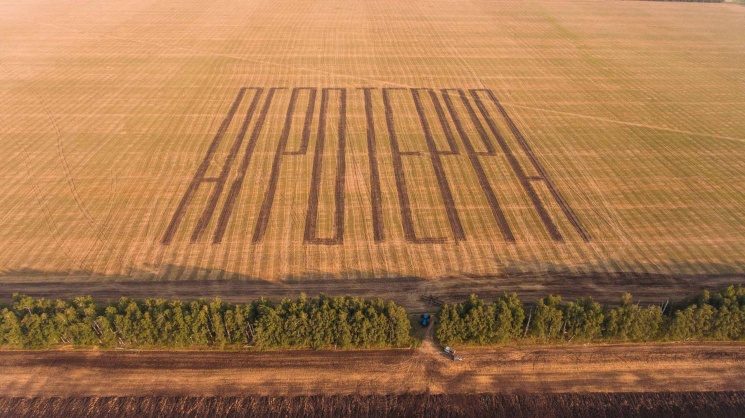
(718, 316)
(318, 322)
(351, 322)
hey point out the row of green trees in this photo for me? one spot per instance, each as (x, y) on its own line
(349, 322)
(720, 316)
(319, 322)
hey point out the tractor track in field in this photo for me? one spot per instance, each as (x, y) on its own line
(99, 231)
(627, 123)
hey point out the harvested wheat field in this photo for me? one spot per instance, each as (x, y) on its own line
(291, 140)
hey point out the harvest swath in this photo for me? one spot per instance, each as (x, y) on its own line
(353, 139)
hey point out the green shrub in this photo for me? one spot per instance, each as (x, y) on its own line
(475, 322)
(547, 320)
(628, 322)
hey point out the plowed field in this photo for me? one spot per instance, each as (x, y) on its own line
(598, 368)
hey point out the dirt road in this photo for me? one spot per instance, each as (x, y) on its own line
(405, 291)
(535, 369)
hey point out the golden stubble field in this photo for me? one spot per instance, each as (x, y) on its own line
(540, 137)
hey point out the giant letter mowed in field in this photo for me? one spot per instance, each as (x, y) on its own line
(432, 116)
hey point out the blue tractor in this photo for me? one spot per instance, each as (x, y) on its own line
(425, 320)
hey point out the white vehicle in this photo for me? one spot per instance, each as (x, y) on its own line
(452, 353)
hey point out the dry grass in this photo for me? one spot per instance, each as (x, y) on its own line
(634, 109)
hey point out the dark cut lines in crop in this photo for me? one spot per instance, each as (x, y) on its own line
(548, 223)
(266, 205)
(201, 171)
(543, 174)
(432, 120)
(375, 192)
(473, 157)
(220, 181)
(311, 217)
(442, 181)
(400, 176)
(235, 189)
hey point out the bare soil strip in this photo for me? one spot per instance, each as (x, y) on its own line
(405, 291)
(534, 369)
(452, 144)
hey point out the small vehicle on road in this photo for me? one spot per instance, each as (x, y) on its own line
(452, 354)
